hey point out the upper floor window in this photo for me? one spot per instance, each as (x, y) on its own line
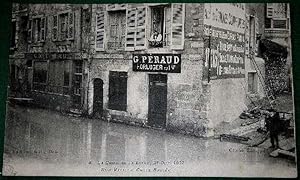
(117, 29)
(146, 26)
(37, 29)
(277, 16)
(160, 26)
(63, 26)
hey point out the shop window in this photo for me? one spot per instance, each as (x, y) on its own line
(40, 75)
(117, 29)
(118, 90)
(55, 77)
(252, 82)
(78, 78)
(13, 34)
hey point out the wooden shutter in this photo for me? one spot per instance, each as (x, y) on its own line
(29, 31)
(43, 26)
(140, 41)
(131, 29)
(270, 10)
(177, 34)
(100, 31)
(255, 35)
(167, 27)
(71, 28)
(247, 34)
(55, 28)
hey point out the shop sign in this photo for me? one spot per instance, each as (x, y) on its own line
(50, 56)
(168, 63)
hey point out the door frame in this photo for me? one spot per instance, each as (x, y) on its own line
(94, 96)
(164, 125)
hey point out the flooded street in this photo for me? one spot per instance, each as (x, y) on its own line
(42, 142)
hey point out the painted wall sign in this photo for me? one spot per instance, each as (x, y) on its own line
(49, 56)
(224, 28)
(170, 63)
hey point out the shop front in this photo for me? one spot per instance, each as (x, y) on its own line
(57, 80)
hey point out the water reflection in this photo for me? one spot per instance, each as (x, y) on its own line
(55, 138)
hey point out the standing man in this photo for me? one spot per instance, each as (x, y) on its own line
(273, 125)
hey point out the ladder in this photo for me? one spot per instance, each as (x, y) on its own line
(267, 90)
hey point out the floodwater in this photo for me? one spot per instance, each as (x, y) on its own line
(39, 142)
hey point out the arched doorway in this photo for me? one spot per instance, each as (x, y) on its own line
(98, 98)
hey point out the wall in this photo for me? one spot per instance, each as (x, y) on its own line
(137, 86)
(187, 95)
(227, 100)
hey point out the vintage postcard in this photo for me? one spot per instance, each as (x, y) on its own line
(150, 89)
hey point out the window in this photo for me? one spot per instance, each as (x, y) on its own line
(252, 82)
(37, 30)
(78, 78)
(77, 89)
(166, 27)
(118, 90)
(63, 19)
(13, 35)
(117, 28)
(160, 26)
(54, 78)
(252, 32)
(277, 16)
(40, 75)
(63, 26)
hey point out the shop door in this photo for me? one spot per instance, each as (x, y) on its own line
(157, 100)
(98, 98)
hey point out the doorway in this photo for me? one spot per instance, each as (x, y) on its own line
(98, 98)
(157, 100)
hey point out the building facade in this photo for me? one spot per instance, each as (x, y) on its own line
(48, 54)
(179, 67)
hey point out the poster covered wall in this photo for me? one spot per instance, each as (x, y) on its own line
(224, 30)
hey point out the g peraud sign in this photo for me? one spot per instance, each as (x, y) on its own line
(169, 63)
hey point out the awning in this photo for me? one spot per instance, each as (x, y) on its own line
(273, 48)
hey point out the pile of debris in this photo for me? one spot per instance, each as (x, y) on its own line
(253, 132)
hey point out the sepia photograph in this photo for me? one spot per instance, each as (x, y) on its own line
(150, 89)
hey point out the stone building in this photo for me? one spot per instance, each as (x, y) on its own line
(47, 54)
(179, 67)
(277, 47)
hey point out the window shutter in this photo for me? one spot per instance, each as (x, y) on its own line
(131, 29)
(167, 27)
(270, 10)
(140, 41)
(256, 33)
(247, 34)
(29, 32)
(55, 28)
(177, 34)
(100, 31)
(71, 28)
(43, 29)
